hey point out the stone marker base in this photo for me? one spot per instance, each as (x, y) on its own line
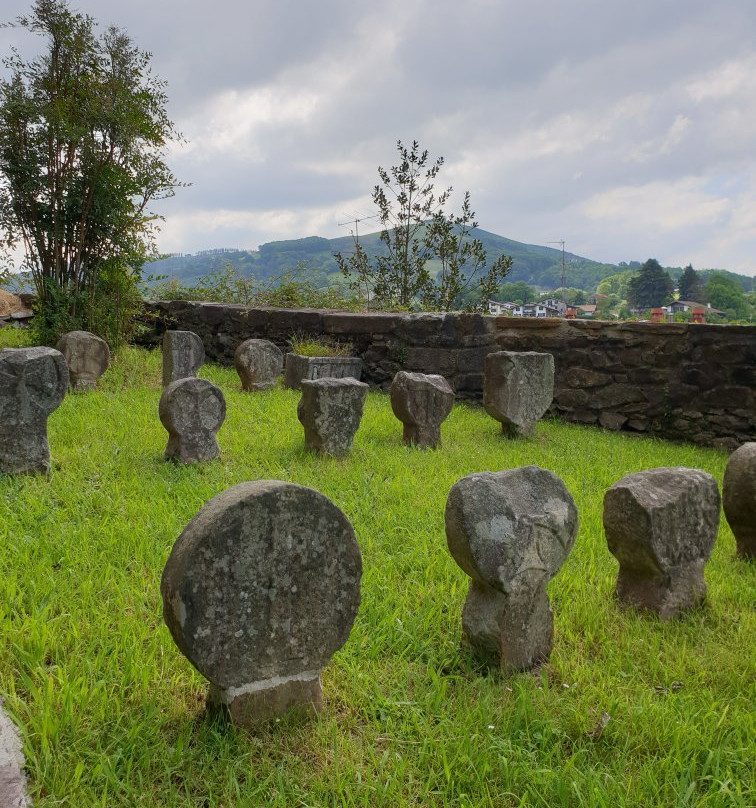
(514, 633)
(512, 430)
(679, 589)
(254, 704)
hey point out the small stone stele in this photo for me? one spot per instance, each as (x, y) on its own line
(739, 498)
(510, 531)
(661, 526)
(421, 402)
(297, 368)
(330, 411)
(87, 357)
(183, 355)
(260, 590)
(259, 363)
(33, 382)
(192, 410)
(518, 388)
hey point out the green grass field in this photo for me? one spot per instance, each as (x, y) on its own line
(112, 715)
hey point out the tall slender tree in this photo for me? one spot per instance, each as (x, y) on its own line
(690, 286)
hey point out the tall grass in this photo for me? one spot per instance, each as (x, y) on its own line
(112, 715)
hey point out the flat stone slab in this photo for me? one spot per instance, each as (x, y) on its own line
(422, 403)
(510, 531)
(259, 363)
(33, 382)
(12, 778)
(518, 388)
(183, 355)
(739, 498)
(661, 526)
(87, 357)
(259, 591)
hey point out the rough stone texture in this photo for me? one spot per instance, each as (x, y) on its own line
(33, 382)
(87, 357)
(12, 779)
(421, 402)
(682, 382)
(259, 591)
(519, 388)
(259, 363)
(739, 498)
(510, 531)
(661, 526)
(330, 411)
(192, 410)
(183, 355)
(299, 368)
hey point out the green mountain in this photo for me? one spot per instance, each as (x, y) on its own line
(537, 266)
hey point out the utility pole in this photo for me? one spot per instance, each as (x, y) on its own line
(356, 238)
(564, 273)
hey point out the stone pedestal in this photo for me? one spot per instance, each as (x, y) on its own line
(33, 382)
(298, 368)
(421, 402)
(330, 411)
(87, 357)
(518, 389)
(510, 531)
(661, 526)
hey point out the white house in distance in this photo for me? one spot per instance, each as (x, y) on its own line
(541, 309)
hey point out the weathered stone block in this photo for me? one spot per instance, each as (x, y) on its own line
(739, 498)
(183, 355)
(661, 526)
(510, 531)
(259, 363)
(519, 388)
(298, 368)
(259, 591)
(87, 357)
(192, 410)
(421, 402)
(33, 382)
(330, 411)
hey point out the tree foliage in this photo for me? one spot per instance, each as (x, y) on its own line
(689, 285)
(417, 235)
(726, 294)
(83, 128)
(651, 287)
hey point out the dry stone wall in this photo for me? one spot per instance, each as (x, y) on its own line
(684, 382)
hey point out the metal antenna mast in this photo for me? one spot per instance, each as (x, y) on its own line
(564, 273)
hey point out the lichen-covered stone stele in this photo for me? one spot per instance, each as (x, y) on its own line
(259, 591)
(510, 531)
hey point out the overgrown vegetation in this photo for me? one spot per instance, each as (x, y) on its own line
(83, 129)
(112, 715)
(291, 289)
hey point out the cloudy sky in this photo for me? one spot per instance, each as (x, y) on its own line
(625, 127)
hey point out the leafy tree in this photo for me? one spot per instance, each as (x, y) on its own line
(726, 294)
(83, 129)
(517, 292)
(690, 287)
(616, 284)
(417, 230)
(652, 286)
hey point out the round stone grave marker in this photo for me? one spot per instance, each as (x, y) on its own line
(259, 591)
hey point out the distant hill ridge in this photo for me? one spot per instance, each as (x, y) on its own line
(536, 265)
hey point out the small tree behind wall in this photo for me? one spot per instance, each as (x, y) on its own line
(83, 129)
(417, 231)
